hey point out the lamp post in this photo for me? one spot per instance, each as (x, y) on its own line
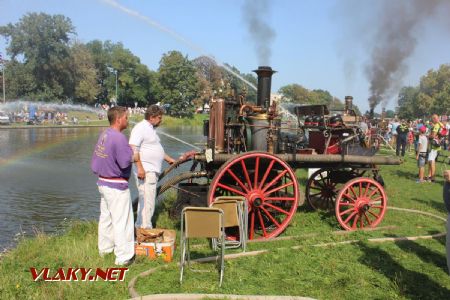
(111, 69)
(3, 77)
(115, 72)
(3, 80)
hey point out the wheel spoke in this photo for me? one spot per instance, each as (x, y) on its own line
(226, 187)
(367, 218)
(315, 188)
(276, 208)
(355, 221)
(269, 168)
(278, 188)
(350, 217)
(244, 169)
(346, 204)
(348, 197)
(238, 180)
(270, 216)
(367, 189)
(319, 183)
(255, 183)
(274, 180)
(353, 191)
(376, 216)
(373, 192)
(377, 206)
(312, 195)
(346, 211)
(376, 199)
(261, 221)
(252, 224)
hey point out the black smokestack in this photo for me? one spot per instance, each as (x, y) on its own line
(264, 85)
(255, 15)
(348, 103)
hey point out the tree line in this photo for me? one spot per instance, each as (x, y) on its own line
(48, 63)
(432, 95)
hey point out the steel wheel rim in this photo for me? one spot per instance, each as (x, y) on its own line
(269, 185)
(361, 203)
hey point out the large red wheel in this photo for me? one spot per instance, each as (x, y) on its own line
(361, 203)
(268, 184)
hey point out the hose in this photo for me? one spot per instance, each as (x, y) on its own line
(176, 179)
(173, 166)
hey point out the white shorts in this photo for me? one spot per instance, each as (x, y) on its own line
(432, 155)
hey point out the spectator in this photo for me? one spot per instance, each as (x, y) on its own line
(421, 154)
(111, 161)
(435, 146)
(402, 135)
(446, 196)
(394, 132)
(149, 155)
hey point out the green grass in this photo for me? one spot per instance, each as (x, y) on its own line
(365, 270)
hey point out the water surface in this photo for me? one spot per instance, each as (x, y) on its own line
(45, 178)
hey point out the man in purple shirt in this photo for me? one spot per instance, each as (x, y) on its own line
(111, 161)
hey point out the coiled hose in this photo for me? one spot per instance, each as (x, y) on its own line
(176, 179)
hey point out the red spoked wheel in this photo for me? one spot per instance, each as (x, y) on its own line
(321, 190)
(361, 203)
(268, 184)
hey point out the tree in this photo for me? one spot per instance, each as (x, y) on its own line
(296, 93)
(220, 82)
(407, 102)
(431, 96)
(178, 83)
(136, 83)
(41, 42)
(84, 73)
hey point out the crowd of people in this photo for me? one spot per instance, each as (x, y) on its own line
(425, 139)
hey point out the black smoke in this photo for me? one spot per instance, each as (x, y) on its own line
(255, 14)
(390, 39)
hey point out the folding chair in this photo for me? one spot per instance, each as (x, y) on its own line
(201, 222)
(235, 214)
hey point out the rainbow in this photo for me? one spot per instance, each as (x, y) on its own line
(40, 147)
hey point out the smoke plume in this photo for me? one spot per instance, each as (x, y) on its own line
(255, 14)
(397, 28)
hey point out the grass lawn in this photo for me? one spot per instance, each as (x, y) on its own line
(360, 270)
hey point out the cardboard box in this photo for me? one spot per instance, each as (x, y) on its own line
(162, 246)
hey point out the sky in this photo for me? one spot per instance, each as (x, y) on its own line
(319, 44)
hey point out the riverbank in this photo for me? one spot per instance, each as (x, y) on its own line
(168, 121)
(348, 265)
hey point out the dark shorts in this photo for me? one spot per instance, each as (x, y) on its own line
(421, 162)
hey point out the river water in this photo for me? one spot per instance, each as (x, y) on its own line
(45, 177)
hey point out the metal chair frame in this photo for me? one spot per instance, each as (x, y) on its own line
(242, 211)
(207, 222)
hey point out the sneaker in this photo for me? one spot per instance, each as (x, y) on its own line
(127, 262)
(420, 181)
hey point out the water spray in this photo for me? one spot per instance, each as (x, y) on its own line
(175, 35)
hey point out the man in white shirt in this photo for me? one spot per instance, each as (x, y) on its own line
(149, 155)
